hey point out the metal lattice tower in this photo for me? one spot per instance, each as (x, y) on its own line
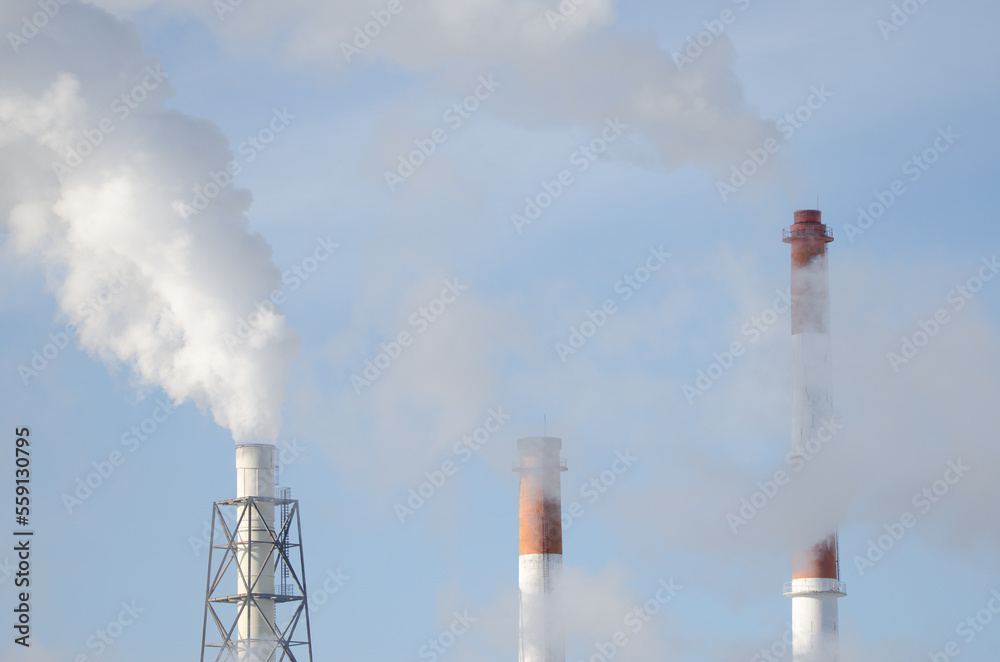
(257, 623)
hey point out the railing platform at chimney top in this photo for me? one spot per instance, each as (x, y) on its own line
(822, 231)
(516, 465)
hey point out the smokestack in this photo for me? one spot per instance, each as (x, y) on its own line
(541, 637)
(263, 551)
(815, 586)
(255, 469)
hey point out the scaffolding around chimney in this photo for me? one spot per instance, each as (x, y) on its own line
(285, 612)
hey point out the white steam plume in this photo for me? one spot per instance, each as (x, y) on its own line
(147, 287)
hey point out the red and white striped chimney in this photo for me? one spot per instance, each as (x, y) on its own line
(815, 586)
(541, 637)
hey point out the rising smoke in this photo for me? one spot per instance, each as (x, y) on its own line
(100, 189)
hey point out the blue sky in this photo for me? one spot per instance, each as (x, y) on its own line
(495, 347)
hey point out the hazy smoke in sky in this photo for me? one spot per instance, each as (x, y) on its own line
(562, 65)
(99, 185)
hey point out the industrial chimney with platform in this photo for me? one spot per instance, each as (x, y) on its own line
(815, 587)
(257, 623)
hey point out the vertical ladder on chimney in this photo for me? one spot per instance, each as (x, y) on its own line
(285, 494)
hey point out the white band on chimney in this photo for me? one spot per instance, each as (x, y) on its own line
(541, 637)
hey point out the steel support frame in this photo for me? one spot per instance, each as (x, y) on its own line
(278, 553)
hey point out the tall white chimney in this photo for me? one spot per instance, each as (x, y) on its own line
(255, 471)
